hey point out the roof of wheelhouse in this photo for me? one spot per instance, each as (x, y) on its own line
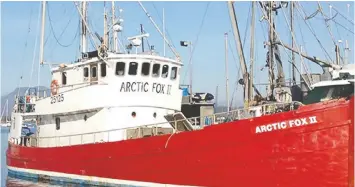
(115, 56)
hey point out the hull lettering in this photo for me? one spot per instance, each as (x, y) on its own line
(286, 124)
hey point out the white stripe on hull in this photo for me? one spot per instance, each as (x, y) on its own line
(91, 178)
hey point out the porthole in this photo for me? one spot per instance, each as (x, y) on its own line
(85, 117)
(134, 114)
(154, 114)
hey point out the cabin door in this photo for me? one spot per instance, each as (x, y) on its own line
(93, 73)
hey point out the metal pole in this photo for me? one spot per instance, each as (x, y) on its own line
(142, 31)
(83, 28)
(164, 30)
(42, 32)
(191, 72)
(252, 29)
(226, 68)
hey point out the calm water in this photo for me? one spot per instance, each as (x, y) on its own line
(9, 182)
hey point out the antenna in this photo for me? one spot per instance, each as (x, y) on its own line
(114, 43)
(155, 25)
(142, 32)
(164, 30)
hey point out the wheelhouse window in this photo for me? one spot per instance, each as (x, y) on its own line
(133, 66)
(103, 69)
(165, 71)
(86, 72)
(145, 68)
(64, 78)
(156, 70)
(120, 68)
(93, 71)
(173, 74)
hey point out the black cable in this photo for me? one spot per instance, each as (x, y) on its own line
(51, 26)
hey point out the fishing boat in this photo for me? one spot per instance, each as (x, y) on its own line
(115, 119)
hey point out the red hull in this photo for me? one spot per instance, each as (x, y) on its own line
(231, 154)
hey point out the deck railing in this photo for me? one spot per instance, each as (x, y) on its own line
(197, 123)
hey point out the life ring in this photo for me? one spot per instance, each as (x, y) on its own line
(28, 99)
(54, 87)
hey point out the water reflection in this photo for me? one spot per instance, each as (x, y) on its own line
(11, 182)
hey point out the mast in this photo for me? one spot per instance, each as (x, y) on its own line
(114, 42)
(41, 52)
(346, 51)
(83, 27)
(293, 43)
(270, 52)
(252, 29)
(105, 27)
(226, 68)
(240, 51)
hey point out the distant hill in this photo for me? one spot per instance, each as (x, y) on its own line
(11, 96)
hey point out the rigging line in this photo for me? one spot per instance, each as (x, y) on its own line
(342, 26)
(303, 41)
(196, 40)
(347, 19)
(161, 21)
(24, 51)
(262, 26)
(312, 31)
(239, 70)
(326, 23)
(277, 35)
(75, 37)
(312, 15)
(295, 41)
(246, 28)
(328, 26)
(35, 47)
(55, 37)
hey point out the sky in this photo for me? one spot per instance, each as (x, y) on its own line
(202, 23)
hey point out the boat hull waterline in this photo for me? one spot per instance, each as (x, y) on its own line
(311, 146)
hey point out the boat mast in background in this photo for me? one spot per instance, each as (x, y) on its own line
(226, 69)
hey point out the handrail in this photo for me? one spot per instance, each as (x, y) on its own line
(237, 114)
